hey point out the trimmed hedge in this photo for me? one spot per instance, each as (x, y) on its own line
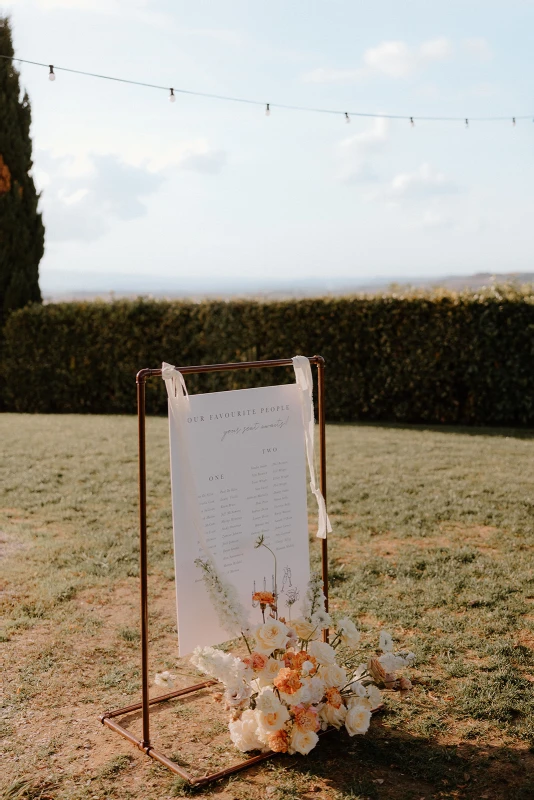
(421, 358)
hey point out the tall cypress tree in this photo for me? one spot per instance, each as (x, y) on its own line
(21, 225)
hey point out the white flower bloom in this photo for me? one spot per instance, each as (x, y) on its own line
(267, 701)
(315, 599)
(165, 679)
(358, 717)
(391, 662)
(407, 657)
(321, 619)
(330, 715)
(316, 689)
(269, 672)
(349, 633)
(374, 695)
(333, 675)
(272, 721)
(307, 667)
(302, 741)
(243, 732)
(323, 652)
(385, 642)
(223, 666)
(270, 636)
(358, 689)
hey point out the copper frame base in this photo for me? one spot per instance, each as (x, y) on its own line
(107, 718)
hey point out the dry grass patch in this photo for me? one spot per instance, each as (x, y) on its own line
(433, 540)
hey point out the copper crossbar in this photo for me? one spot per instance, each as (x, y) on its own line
(108, 717)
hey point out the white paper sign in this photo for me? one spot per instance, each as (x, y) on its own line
(247, 455)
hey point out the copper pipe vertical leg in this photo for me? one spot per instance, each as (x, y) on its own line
(322, 474)
(141, 418)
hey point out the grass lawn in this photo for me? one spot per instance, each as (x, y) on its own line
(433, 540)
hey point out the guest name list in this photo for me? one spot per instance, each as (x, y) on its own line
(247, 455)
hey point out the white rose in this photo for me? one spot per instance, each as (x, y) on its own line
(302, 741)
(305, 630)
(243, 732)
(323, 652)
(267, 701)
(272, 721)
(332, 675)
(237, 695)
(374, 695)
(316, 689)
(330, 715)
(362, 702)
(269, 672)
(348, 632)
(385, 642)
(270, 636)
(358, 718)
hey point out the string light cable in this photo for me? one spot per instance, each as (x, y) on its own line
(346, 115)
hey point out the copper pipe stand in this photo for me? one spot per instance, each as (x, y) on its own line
(108, 717)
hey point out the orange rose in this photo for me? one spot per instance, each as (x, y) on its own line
(333, 697)
(287, 681)
(278, 742)
(296, 660)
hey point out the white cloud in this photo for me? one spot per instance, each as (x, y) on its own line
(321, 75)
(356, 152)
(84, 207)
(479, 48)
(420, 184)
(394, 59)
(209, 162)
(85, 193)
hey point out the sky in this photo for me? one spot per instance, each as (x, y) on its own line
(204, 192)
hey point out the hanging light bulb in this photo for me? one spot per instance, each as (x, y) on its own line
(51, 74)
(412, 123)
(172, 97)
(347, 118)
(267, 110)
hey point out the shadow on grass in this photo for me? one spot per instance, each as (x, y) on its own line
(388, 764)
(398, 766)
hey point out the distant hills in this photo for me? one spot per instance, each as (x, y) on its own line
(59, 286)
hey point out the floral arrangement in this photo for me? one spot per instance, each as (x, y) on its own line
(293, 683)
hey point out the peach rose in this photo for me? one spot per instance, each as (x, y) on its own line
(306, 719)
(278, 742)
